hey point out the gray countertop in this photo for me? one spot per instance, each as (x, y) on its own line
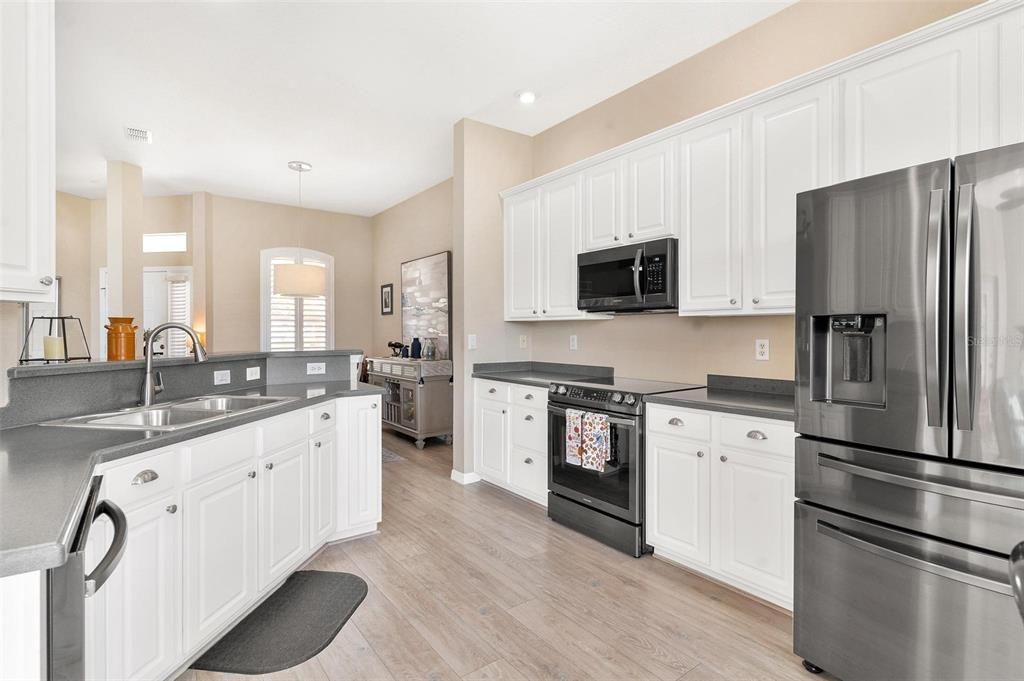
(539, 379)
(745, 402)
(45, 471)
(540, 374)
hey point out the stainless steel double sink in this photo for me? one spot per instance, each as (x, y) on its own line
(193, 411)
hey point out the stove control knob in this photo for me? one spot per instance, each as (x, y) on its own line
(562, 390)
(630, 399)
(616, 397)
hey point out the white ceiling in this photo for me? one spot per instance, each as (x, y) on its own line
(366, 92)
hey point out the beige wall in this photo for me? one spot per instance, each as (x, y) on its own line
(487, 159)
(798, 39)
(414, 228)
(240, 229)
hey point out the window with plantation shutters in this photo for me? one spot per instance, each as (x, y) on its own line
(167, 297)
(179, 309)
(295, 323)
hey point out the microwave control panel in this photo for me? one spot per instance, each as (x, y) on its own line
(656, 274)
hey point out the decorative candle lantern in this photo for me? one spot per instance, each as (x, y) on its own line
(55, 339)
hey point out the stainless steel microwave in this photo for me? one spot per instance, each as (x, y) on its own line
(635, 278)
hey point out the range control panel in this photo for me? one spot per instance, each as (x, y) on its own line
(595, 395)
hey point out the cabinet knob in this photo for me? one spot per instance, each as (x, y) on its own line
(533, 312)
(528, 417)
(528, 460)
(173, 508)
(325, 416)
(269, 466)
(630, 235)
(616, 238)
(252, 474)
(543, 311)
(374, 405)
(700, 454)
(756, 301)
(756, 435)
(503, 411)
(492, 390)
(317, 444)
(46, 281)
(732, 301)
(674, 421)
(723, 458)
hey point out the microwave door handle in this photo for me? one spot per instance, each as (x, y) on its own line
(962, 306)
(636, 273)
(933, 294)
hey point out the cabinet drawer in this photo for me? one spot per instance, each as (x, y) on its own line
(530, 396)
(322, 417)
(143, 478)
(694, 425)
(529, 428)
(284, 430)
(492, 390)
(219, 453)
(528, 471)
(774, 437)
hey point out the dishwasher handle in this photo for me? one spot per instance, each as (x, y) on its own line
(95, 580)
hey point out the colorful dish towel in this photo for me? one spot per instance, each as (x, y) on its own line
(596, 444)
(574, 436)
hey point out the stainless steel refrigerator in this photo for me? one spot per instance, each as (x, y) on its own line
(910, 410)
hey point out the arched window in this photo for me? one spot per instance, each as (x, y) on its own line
(295, 323)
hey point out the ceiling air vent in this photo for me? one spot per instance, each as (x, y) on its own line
(139, 135)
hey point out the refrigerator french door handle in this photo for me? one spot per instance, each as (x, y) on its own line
(933, 294)
(636, 272)
(865, 544)
(95, 580)
(962, 307)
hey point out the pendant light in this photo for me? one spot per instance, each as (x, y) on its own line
(298, 280)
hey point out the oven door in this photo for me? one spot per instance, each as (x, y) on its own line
(615, 491)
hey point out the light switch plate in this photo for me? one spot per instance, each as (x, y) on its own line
(574, 343)
(761, 350)
(471, 341)
(316, 368)
(252, 373)
(222, 377)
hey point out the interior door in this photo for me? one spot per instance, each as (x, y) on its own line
(870, 304)
(988, 308)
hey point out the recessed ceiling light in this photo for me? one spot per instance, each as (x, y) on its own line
(527, 97)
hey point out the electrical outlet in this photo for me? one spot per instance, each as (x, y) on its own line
(471, 341)
(252, 373)
(316, 368)
(523, 341)
(573, 343)
(761, 350)
(222, 377)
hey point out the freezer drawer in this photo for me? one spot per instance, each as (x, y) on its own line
(873, 603)
(968, 505)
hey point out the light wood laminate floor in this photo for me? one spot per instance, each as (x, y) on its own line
(470, 582)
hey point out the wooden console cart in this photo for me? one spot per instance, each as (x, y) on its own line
(417, 397)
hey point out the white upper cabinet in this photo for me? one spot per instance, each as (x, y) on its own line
(521, 218)
(27, 186)
(561, 204)
(650, 192)
(913, 106)
(792, 150)
(1009, 39)
(710, 255)
(602, 205)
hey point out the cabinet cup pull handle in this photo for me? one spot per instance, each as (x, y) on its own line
(528, 460)
(528, 396)
(325, 416)
(723, 458)
(252, 474)
(674, 421)
(269, 466)
(756, 435)
(700, 454)
(173, 508)
(46, 281)
(145, 476)
(492, 390)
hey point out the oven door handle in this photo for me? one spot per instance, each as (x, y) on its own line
(629, 423)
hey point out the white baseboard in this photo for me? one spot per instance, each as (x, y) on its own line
(464, 478)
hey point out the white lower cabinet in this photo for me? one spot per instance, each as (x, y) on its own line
(219, 554)
(721, 506)
(218, 522)
(510, 431)
(284, 512)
